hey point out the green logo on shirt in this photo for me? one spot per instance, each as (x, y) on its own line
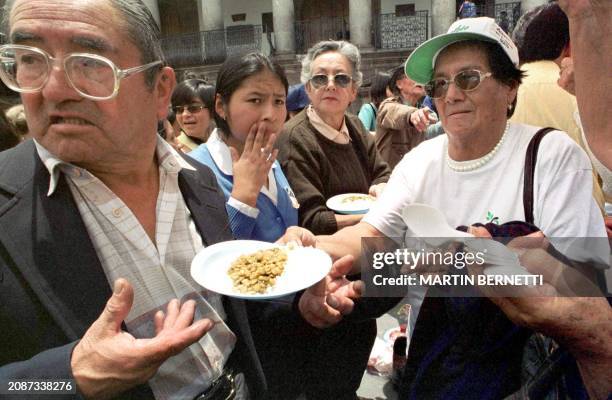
(492, 219)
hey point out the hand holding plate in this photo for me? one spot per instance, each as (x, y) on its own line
(324, 304)
(299, 236)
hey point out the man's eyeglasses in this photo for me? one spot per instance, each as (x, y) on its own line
(340, 80)
(467, 81)
(192, 108)
(26, 69)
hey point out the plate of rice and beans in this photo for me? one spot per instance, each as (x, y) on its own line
(250, 269)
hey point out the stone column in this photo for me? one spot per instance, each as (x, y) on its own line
(360, 23)
(153, 7)
(443, 13)
(210, 14)
(212, 33)
(527, 5)
(283, 15)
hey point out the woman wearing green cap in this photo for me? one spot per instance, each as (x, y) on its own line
(465, 348)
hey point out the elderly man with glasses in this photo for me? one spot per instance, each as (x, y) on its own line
(98, 201)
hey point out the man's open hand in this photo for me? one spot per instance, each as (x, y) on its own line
(108, 361)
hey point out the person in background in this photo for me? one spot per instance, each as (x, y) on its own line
(429, 103)
(8, 137)
(379, 90)
(400, 126)
(411, 93)
(192, 102)
(543, 41)
(325, 151)
(17, 118)
(504, 22)
(167, 128)
(297, 100)
(467, 9)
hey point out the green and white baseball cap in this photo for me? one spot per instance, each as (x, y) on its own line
(420, 64)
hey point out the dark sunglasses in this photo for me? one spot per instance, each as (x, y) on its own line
(467, 81)
(192, 108)
(340, 80)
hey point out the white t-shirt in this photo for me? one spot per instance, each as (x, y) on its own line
(563, 203)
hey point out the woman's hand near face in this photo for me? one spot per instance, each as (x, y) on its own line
(251, 168)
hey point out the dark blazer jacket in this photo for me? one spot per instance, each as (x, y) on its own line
(52, 285)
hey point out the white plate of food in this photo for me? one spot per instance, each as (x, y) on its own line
(351, 203)
(259, 270)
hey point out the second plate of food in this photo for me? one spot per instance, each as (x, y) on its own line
(350, 203)
(250, 269)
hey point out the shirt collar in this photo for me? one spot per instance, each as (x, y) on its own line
(326, 130)
(220, 153)
(52, 164)
(168, 157)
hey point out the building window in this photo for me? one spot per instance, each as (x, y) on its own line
(405, 10)
(238, 17)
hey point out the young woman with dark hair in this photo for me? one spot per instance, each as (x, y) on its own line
(193, 101)
(249, 111)
(379, 91)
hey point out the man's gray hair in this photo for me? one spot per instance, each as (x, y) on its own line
(347, 49)
(138, 22)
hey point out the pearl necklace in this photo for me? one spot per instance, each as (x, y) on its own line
(465, 166)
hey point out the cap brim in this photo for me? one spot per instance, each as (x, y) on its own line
(419, 66)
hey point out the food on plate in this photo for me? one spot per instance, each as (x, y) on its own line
(353, 198)
(257, 272)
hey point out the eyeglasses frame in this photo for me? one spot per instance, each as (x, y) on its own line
(118, 72)
(200, 108)
(447, 82)
(333, 80)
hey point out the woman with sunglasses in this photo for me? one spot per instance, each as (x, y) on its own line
(192, 101)
(468, 347)
(324, 150)
(379, 91)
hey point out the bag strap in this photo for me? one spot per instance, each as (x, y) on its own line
(530, 163)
